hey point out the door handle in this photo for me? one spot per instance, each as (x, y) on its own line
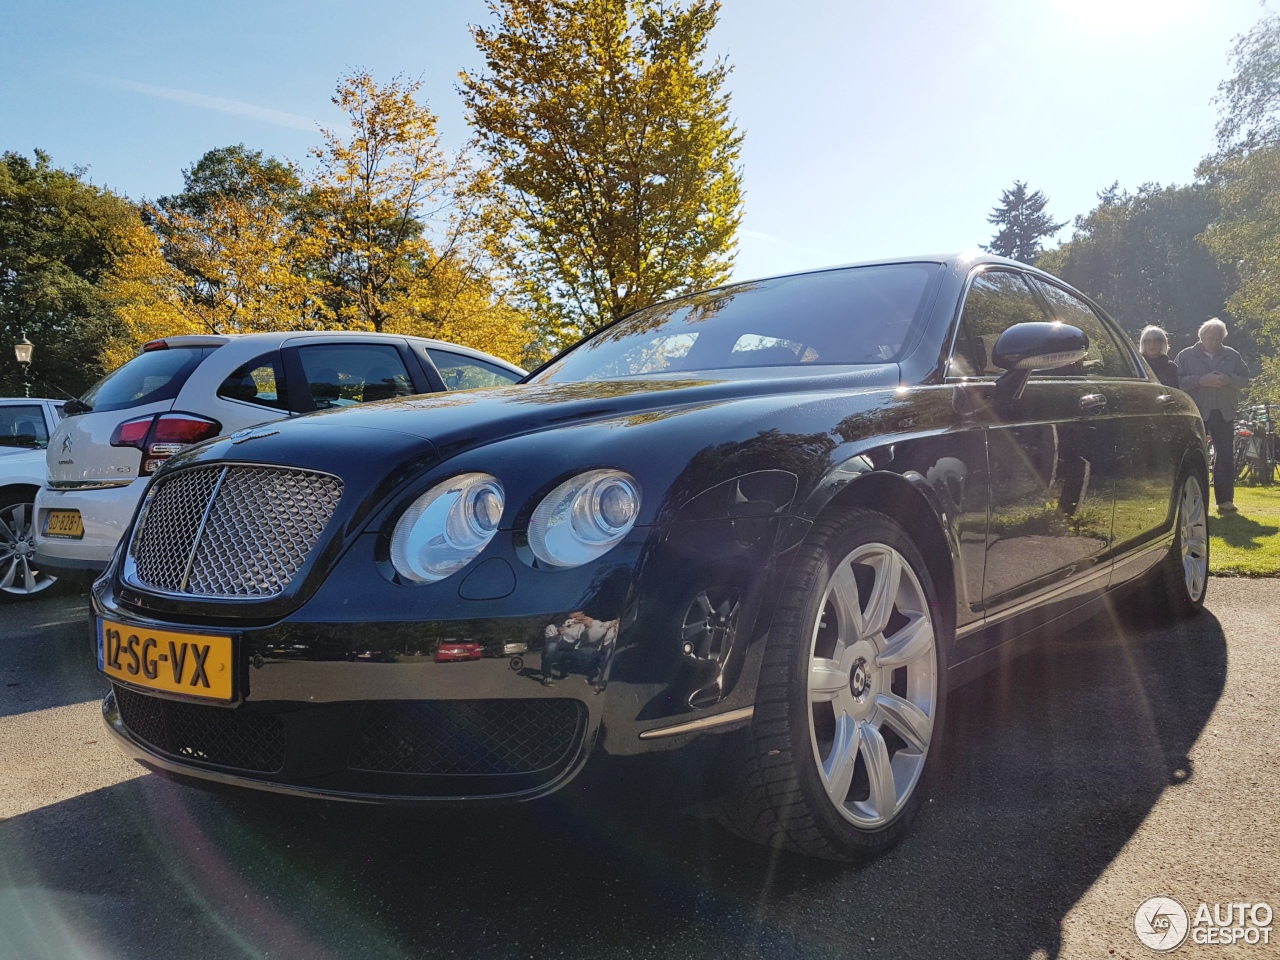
(1167, 400)
(1093, 403)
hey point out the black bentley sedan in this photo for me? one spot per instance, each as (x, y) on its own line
(797, 510)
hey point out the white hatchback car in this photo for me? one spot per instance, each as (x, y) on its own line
(182, 390)
(25, 426)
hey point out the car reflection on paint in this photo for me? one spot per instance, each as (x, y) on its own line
(780, 518)
(450, 651)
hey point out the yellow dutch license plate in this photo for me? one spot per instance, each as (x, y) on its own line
(64, 523)
(193, 664)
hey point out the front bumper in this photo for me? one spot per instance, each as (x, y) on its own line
(339, 743)
(359, 708)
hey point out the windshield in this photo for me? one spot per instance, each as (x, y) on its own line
(857, 315)
(148, 377)
(22, 425)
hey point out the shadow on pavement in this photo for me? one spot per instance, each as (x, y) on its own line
(46, 653)
(1051, 766)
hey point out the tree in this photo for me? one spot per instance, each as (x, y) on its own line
(245, 248)
(1141, 256)
(615, 156)
(1249, 101)
(1246, 236)
(59, 235)
(147, 295)
(1022, 222)
(1245, 176)
(236, 173)
(402, 229)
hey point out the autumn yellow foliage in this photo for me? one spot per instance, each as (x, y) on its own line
(386, 236)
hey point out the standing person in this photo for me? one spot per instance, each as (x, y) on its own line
(1214, 375)
(1154, 344)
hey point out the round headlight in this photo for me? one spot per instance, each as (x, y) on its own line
(447, 527)
(584, 517)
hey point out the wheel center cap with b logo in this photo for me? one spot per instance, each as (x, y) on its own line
(859, 678)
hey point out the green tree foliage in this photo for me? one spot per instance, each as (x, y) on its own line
(615, 155)
(1246, 235)
(1245, 175)
(1140, 255)
(236, 173)
(1022, 224)
(1249, 101)
(59, 235)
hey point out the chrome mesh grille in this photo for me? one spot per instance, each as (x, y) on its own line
(231, 531)
(162, 548)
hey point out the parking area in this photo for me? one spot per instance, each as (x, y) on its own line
(1113, 764)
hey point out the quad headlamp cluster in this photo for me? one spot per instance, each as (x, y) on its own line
(449, 525)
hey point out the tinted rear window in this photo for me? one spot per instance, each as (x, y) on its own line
(147, 378)
(859, 315)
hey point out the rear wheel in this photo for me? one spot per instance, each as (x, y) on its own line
(1183, 576)
(851, 695)
(19, 578)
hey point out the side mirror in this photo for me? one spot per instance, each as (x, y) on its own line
(1027, 347)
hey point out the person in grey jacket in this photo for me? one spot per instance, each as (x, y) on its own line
(1214, 375)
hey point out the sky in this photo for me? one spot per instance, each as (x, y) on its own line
(873, 129)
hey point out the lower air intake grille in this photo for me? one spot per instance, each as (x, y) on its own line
(217, 735)
(467, 737)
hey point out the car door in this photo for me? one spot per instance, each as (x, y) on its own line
(1149, 440)
(1050, 466)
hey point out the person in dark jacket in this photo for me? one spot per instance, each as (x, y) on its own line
(1214, 375)
(1154, 344)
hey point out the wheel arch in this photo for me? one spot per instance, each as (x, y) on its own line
(1194, 458)
(19, 486)
(911, 505)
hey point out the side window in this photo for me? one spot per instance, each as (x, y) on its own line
(259, 381)
(344, 374)
(1106, 358)
(468, 373)
(22, 425)
(996, 301)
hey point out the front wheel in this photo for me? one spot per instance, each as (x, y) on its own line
(850, 702)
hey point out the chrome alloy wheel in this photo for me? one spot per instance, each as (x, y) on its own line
(1193, 538)
(872, 685)
(17, 552)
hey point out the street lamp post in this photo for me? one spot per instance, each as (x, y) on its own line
(23, 350)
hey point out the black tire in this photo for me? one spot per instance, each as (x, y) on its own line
(779, 798)
(1172, 589)
(15, 542)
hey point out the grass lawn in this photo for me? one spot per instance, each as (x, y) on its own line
(1247, 544)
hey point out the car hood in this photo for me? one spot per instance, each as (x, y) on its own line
(678, 436)
(456, 422)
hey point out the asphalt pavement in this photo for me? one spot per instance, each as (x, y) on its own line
(1112, 764)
